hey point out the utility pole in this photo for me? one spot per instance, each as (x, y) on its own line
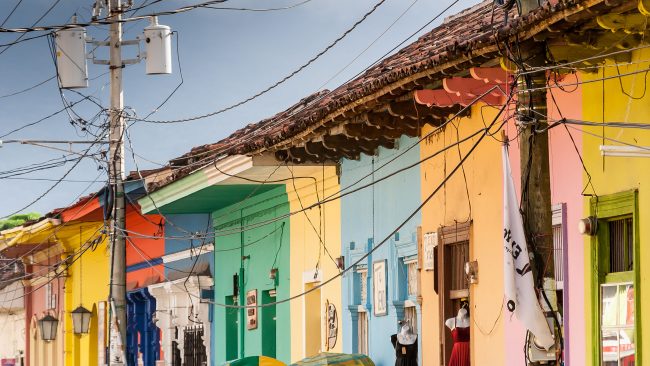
(535, 171)
(535, 177)
(116, 180)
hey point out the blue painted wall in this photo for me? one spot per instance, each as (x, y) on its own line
(391, 200)
(178, 225)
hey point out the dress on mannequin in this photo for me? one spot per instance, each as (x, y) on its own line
(459, 325)
(406, 347)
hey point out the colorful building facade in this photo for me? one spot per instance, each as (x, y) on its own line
(614, 268)
(268, 242)
(378, 293)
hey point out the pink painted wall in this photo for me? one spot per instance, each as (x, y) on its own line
(566, 187)
(35, 303)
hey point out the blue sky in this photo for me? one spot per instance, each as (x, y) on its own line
(226, 56)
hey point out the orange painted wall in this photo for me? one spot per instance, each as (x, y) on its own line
(140, 249)
(450, 205)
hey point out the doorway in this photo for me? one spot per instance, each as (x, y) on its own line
(313, 321)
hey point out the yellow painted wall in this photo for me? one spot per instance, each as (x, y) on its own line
(617, 174)
(305, 248)
(484, 182)
(87, 284)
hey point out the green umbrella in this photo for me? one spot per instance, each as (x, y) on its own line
(255, 361)
(339, 359)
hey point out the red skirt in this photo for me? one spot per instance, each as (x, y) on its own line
(460, 354)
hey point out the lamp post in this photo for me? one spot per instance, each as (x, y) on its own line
(48, 325)
(81, 320)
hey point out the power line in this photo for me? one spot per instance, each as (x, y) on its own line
(11, 13)
(47, 191)
(261, 9)
(279, 82)
(374, 248)
(107, 21)
(56, 2)
(28, 88)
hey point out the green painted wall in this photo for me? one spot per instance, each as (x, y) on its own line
(265, 244)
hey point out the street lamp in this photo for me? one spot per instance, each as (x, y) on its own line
(81, 320)
(48, 325)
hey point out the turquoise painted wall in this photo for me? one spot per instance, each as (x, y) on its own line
(392, 200)
(266, 246)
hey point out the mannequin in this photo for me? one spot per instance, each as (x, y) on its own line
(406, 346)
(459, 326)
(461, 320)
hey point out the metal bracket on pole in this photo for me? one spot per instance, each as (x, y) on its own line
(131, 42)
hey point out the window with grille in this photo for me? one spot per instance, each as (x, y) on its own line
(621, 245)
(362, 342)
(412, 280)
(363, 286)
(411, 317)
(616, 267)
(558, 254)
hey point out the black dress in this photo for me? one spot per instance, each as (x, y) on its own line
(406, 355)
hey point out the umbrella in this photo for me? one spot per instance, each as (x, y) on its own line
(255, 361)
(338, 359)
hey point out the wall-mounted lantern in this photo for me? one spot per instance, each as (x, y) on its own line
(81, 320)
(48, 325)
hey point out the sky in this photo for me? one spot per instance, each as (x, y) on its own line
(225, 56)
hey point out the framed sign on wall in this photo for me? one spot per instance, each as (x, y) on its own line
(379, 288)
(430, 244)
(251, 313)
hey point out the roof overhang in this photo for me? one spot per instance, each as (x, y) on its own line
(232, 170)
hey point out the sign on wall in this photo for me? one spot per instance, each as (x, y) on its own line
(332, 325)
(430, 243)
(251, 313)
(379, 288)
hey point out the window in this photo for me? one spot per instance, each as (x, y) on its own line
(453, 287)
(411, 317)
(621, 247)
(559, 255)
(617, 321)
(614, 299)
(363, 286)
(50, 297)
(412, 273)
(362, 342)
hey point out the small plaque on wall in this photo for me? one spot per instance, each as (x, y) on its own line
(251, 313)
(430, 243)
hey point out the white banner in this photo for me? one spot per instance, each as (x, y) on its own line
(521, 298)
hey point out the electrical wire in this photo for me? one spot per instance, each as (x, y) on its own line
(27, 89)
(375, 247)
(56, 2)
(13, 10)
(261, 9)
(279, 82)
(108, 20)
(341, 192)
